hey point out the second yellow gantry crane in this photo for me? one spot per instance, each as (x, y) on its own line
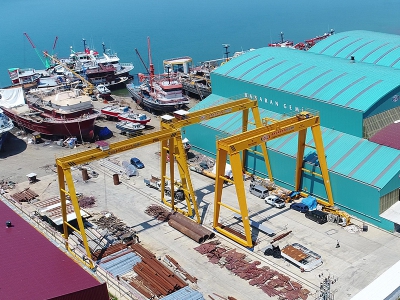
(235, 145)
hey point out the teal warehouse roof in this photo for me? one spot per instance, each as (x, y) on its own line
(347, 155)
(334, 81)
(366, 46)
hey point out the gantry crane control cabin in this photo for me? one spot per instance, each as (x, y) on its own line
(171, 141)
(234, 146)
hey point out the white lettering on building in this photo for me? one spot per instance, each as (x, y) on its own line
(274, 103)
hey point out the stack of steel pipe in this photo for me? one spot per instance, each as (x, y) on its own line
(159, 279)
(190, 228)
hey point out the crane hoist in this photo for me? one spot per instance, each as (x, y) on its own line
(171, 141)
(235, 145)
(89, 86)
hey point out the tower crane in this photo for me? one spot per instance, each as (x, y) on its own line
(89, 89)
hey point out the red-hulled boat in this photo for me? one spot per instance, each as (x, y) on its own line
(58, 113)
(114, 110)
(134, 118)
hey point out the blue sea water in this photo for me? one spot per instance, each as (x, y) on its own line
(176, 27)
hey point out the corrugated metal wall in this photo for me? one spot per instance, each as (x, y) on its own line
(388, 200)
(332, 116)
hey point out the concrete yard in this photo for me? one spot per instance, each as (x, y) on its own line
(361, 257)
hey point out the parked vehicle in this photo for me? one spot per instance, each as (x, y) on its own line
(137, 163)
(155, 183)
(301, 207)
(317, 216)
(259, 191)
(275, 201)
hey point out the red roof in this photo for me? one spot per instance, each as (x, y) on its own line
(388, 136)
(32, 267)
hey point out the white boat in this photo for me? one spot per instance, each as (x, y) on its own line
(129, 127)
(114, 110)
(103, 90)
(161, 93)
(90, 59)
(6, 125)
(134, 118)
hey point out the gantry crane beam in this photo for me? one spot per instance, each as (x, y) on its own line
(166, 136)
(90, 155)
(233, 146)
(194, 117)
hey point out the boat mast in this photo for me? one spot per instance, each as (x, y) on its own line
(45, 63)
(226, 46)
(84, 45)
(151, 66)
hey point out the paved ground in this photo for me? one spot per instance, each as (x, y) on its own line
(362, 256)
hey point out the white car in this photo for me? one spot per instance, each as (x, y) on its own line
(275, 201)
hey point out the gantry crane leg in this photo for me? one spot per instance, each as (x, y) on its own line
(257, 119)
(301, 144)
(61, 185)
(174, 148)
(186, 182)
(237, 173)
(74, 200)
(316, 131)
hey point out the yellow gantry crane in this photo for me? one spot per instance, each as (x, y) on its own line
(89, 86)
(171, 143)
(235, 145)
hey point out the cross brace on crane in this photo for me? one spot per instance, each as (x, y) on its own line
(235, 145)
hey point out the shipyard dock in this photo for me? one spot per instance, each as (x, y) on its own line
(362, 256)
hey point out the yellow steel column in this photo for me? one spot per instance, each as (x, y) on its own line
(75, 204)
(245, 123)
(171, 150)
(163, 161)
(61, 185)
(319, 145)
(301, 144)
(257, 118)
(186, 181)
(219, 182)
(237, 173)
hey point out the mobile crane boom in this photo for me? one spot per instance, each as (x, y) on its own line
(89, 86)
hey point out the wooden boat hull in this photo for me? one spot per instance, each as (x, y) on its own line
(78, 127)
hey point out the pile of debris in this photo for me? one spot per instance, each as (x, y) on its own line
(86, 201)
(6, 185)
(178, 268)
(270, 281)
(115, 227)
(201, 160)
(24, 196)
(158, 212)
(154, 275)
(102, 253)
(181, 223)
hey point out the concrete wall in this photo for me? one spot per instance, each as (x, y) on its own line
(332, 116)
